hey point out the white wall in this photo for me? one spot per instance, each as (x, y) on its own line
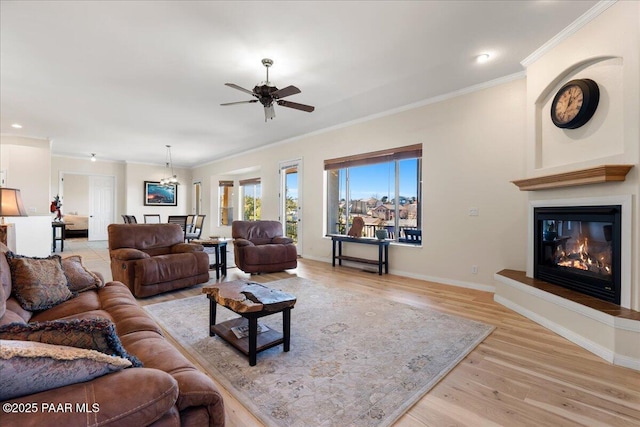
(473, 146)
(612, 136)
(27, 162)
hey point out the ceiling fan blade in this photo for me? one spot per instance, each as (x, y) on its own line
(302, 107)
(240, 102)
(235, 86)
(269, 112)
(287, 91)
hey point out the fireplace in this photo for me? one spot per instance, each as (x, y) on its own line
(578, 247)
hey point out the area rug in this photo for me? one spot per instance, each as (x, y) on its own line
(355, 359)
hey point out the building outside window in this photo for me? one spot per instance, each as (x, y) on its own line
(383, 187)
(251, 196)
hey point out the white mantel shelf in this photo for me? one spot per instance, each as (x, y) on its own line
(595, 175)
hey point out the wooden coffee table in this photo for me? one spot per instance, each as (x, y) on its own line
(251, 301)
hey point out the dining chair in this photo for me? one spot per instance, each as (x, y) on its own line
(152, 219)
(129, 219)
(190, 222)
(181, 220)
(196, 229)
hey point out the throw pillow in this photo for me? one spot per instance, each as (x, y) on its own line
(90, 334)
(79, 279)
(31, 367)
(38, 283)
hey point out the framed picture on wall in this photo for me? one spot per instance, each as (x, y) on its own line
(156, 194)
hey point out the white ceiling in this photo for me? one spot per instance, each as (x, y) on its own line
(123, 79)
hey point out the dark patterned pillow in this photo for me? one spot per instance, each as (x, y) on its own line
(79, 279)
(91, 334)
(38, 283)
(31, 367)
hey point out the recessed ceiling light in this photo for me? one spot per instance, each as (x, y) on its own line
(16, 126)
(483, 58)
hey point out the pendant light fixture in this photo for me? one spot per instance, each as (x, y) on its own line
(172, 179)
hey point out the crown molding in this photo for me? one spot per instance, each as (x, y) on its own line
(576, 25)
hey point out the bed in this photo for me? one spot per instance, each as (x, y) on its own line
(77, 225)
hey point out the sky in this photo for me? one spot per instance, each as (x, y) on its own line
(377, 180)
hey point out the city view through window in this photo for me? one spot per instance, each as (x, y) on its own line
(386, 195)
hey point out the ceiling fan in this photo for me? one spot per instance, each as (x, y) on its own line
(267, 94)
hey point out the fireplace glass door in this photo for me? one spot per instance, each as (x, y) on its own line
(579, 248)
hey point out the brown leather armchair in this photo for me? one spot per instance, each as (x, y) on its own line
(260, 247)
(153, 258)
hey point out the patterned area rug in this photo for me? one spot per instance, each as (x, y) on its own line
(355, 360)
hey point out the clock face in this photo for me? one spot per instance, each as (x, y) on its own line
(569, 104)
(575, 103)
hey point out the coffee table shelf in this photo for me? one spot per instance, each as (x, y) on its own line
(264, 340)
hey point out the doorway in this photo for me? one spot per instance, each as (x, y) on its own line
(92, 196)
(291, 200)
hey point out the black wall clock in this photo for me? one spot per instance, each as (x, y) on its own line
(575, 103)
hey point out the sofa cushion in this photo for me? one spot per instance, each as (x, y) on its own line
(38, 283)
(30, 367)
(89, 334)
(83, 303)
(79, 279)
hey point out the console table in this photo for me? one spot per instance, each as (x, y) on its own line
(63, 232)
(383, 251)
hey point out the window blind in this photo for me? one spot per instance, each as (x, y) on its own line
(382, 156)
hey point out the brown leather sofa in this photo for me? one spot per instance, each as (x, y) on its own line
(153, 258)
(167, 391)
(260, 247)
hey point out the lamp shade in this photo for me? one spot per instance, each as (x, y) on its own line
(11, 203)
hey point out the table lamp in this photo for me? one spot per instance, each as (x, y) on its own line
(11, 203)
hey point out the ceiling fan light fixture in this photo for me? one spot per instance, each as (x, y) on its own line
(266, 93)
(93, 157)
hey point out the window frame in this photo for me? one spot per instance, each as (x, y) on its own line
(251, 182)
(395, 155)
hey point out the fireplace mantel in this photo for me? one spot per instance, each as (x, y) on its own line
(595, 175)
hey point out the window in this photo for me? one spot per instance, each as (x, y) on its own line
(251, 196)
(225, 194)
(383, 187)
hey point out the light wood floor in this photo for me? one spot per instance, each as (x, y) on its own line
(521, 375)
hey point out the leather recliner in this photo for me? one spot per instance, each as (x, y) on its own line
(260, 247)
(153, 258)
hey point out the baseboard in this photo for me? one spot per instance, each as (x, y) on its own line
(441, 280)
(615, 324)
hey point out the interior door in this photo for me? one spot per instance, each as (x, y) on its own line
(291, 200)
(101, 205)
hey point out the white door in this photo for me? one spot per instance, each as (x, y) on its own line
(291, 200)
(101, 202)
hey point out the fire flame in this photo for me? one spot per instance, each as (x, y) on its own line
(579, 257)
